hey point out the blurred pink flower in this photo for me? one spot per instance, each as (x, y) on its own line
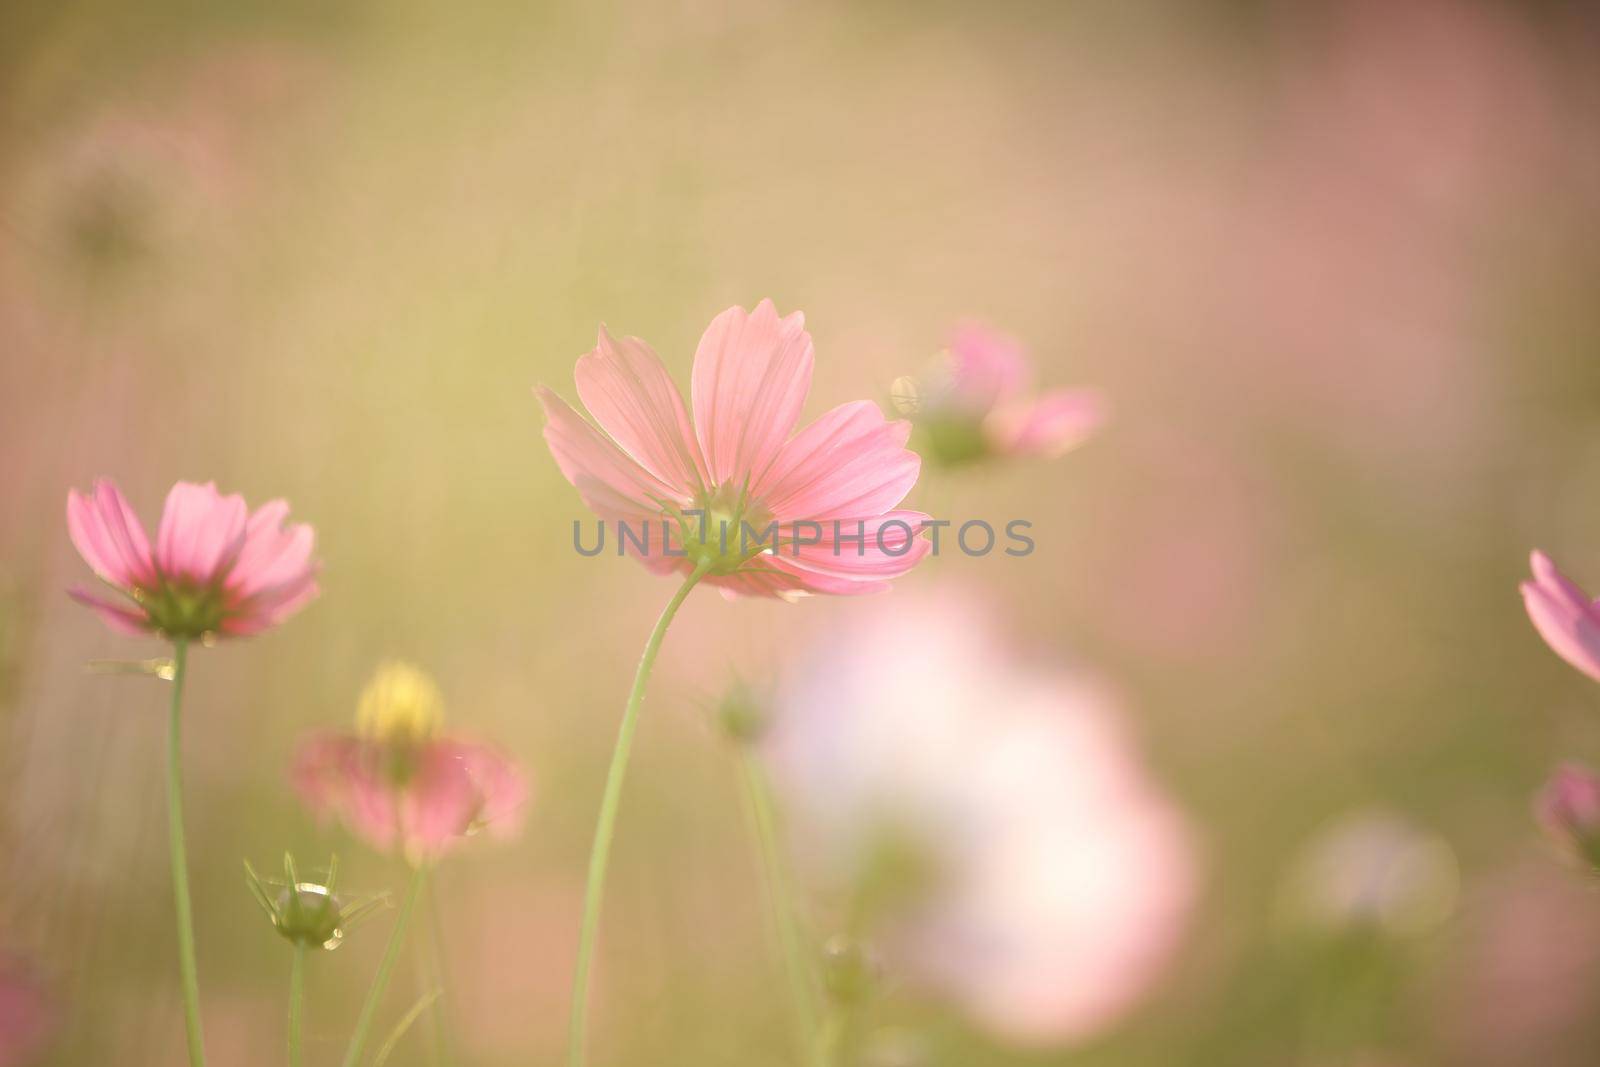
(974, 408)
(399, 785)
(832, 489)
(1052, 879)
(216, 569)
(1564, 616)
(26, 1016)
(420, 800)
(1374, 869)
(1568, 807)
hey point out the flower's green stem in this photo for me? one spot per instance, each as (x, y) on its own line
(775, 875)
(606, 826)
(380, 981)
(436, 985)
(297, 999)
(187, 971)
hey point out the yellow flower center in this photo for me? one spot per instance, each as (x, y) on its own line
(400, 706)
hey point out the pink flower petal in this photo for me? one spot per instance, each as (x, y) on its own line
(273, 555)
(123, 619)
(1555, 583)
(611, 483)
(270, 606)
(109, 537)
(1050, 426)
(201, 532)
(888, 547)
(1572, 634)
(628, 392)
(849, 463)
(752, 372)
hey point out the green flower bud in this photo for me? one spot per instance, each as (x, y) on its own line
(308, 913)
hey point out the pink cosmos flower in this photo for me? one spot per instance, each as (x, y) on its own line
(216, 569)
(399, 785)
(976, 406)
(1564, 615)
(829, 493)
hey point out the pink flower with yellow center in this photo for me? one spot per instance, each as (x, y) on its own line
(758, 511)
(977, 405)
(401, 786)
(217, 569)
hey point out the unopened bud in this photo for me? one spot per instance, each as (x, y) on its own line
(307, 913)
(742, 715)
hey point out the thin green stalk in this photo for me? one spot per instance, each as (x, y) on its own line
(380, 981)
(606, 826)
(297, 999)
(188, 973)
(386, 1049)
(802, 991)
(445, 1046)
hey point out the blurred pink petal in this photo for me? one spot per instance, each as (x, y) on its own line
(216, 569)
(975, 407)
(989, 368)
(201, 531)
(420, 799)
(1050, 426)
(1564, 616)
(1568, 807)
(108, 535)
(737, 464)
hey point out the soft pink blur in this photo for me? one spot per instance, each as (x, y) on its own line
(26, 1015)
(1061, 874)
(1568, 807)
(752, 373)
(990, 379)
(421, 800)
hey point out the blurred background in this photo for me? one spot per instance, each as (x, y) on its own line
(1334, 265)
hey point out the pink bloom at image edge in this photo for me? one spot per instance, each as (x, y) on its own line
(215, 567)
(450, 789)
(991, 374)
(27, 1015)
(1564, 615)
(751, 376)
(1569, 807)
